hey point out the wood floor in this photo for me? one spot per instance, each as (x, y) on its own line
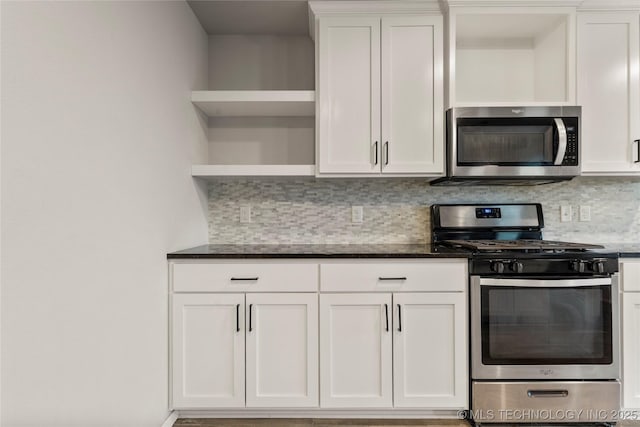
(308, 422)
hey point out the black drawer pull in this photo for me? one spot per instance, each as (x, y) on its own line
(392, 278)
(375, 153)
(244, 279)
(386, 315)
(399, 318)
(637, 141)
(250, 310)
(386, 150)
(237, 317)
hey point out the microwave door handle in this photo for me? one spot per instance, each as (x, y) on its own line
(562, 141)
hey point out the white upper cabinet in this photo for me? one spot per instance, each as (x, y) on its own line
(349, 104)
(609, 92)
(412, 95)
(511, 56)
(380, 94)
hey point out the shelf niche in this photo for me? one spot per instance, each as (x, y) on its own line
(260, 106)
(513, 58)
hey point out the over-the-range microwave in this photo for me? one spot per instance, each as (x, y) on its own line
(511, 145)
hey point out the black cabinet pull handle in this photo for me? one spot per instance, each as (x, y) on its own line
(244, 279)
(386, 314)
(237, 317)
(637, 141)
(375, 153)
(399, 318)
(250, 310)
(386, 151)
(392, 278)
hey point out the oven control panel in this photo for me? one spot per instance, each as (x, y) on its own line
(488, 212)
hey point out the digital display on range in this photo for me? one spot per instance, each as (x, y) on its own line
(488, 213)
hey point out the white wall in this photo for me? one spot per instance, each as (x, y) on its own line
(494, 73)
(98, 136)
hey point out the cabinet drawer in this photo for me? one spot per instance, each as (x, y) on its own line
(244, 277)
(443, 275)
(630, 272)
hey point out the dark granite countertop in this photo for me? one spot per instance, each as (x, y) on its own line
(626, 250)
(319, 251)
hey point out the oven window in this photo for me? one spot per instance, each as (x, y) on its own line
(554, 326)
(505, 142)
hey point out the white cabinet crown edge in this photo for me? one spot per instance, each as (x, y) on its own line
(368, 8)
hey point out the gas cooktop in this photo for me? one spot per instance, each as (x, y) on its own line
(506, 239)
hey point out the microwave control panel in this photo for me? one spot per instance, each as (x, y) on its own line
(571, 154)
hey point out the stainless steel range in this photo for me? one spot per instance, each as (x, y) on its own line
(545, 345)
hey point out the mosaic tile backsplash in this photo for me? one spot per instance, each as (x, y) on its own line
(317, 211)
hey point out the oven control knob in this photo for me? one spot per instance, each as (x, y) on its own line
(597, 266)
(497, 267)
(516, 267)
(578, 266)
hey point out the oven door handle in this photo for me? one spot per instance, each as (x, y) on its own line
(546, 283)
(562, 141)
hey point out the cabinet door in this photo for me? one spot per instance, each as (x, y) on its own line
(282, 350)
(609, 92)
(208, 351)
(430, 350)
(348, 117)
(412, 99)
(355, 362)
(630, 274)
(631, 350)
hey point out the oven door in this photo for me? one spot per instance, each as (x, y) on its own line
(531, 329)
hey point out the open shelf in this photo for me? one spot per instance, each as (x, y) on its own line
(213, 171)
(506, 57)
(252, 103)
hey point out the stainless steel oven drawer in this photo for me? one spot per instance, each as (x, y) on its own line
(546, 401)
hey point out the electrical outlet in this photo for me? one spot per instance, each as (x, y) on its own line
(245, 214)
(565, 213)
(357, 214)
(585, 213)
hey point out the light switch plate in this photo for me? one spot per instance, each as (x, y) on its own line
(585, 213)
(245, 214)
(357, 214)
(565, 213)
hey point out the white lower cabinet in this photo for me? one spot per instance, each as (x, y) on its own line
(631, 350)
(355, 362)
(429, 350)
(209, 333)
(630, 274)
(386, 336)
(282, 350)
(423, 333)
(208, 350)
